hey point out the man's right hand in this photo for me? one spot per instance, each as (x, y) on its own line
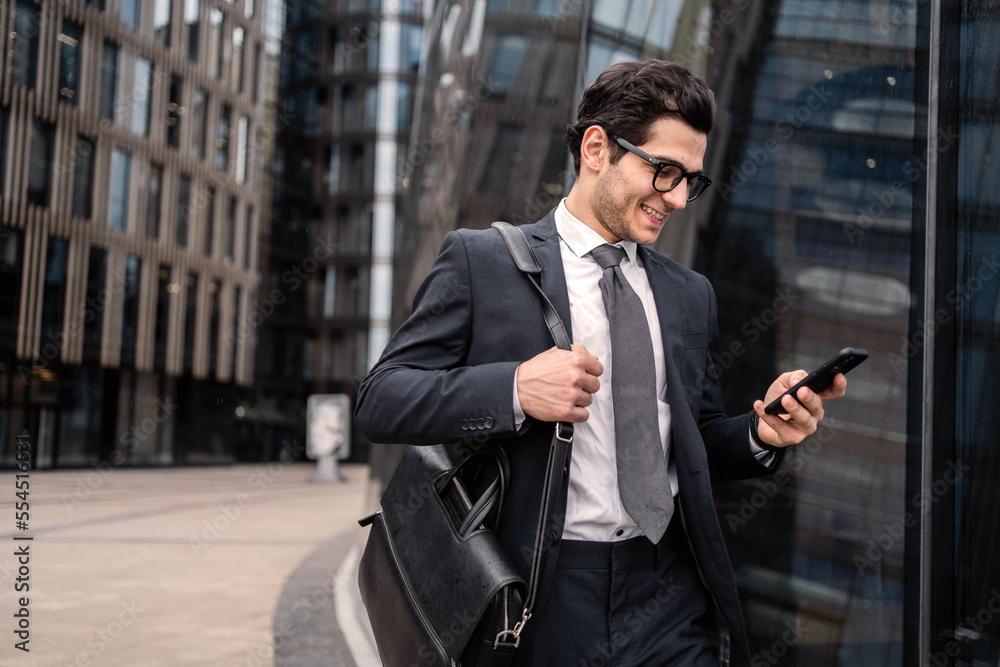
(557, 385)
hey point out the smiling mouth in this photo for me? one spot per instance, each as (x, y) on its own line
(662, 217)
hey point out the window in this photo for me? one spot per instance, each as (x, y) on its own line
(131, 13)
(236, 65)
(330, 293)
(222, 139)
(3, 146)
(142, 84)
(11, 267)
(404, 106)
(41, 138)
(214, 316)
(503, 160)
(182, 214)
(120, 178)
(254, 74)
(409, 52)
(192, 12)
(234, 334)
(231, 231)
(24, 47)
(109, 80)
(161, 22)
(130, 309)
(97, 298)
(331, 171)
(54, 293)
(215, 51)
(358, 173)
(210, 222)
(83, 177)
(242, 134)
(175, 109)
(190, 318)
(506, 64)
(164, 291)
(559, 70)
(69, 61)
(154, 200)
(199, 110)
(248, 225)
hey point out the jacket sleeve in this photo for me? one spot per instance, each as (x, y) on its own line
(421, 390)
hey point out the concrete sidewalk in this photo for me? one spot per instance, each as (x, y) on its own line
(246, 565)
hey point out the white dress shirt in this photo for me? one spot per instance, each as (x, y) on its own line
(594, 509)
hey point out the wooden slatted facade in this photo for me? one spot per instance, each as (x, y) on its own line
(60, 154)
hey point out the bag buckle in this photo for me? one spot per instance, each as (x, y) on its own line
(515, 633)
(560, 428)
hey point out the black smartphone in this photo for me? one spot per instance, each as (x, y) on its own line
(821, 378)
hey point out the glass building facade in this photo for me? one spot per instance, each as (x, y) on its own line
(211, 209)
(130, 213)
(853, 204)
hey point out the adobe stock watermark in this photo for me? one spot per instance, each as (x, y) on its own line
(768, 488)
(751, 330)
(773, 654)
(970, 628)
(958, 298)
(51, 349)
(634, 621)
(292, 279)
(102, 639)
(316, 600)
(229, 512)
(886, 198)
(893, 532)
(421, 150)
(136, 434)
(784, 128)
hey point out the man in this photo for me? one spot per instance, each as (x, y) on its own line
(641, 574)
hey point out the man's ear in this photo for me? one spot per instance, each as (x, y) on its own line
(595, 149)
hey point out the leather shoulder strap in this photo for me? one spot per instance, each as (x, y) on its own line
(546, 536)
(525, 260)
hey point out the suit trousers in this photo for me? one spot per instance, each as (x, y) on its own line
(624, 604)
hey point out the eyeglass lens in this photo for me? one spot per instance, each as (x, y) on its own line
(670, 176)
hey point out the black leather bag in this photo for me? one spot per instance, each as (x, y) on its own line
(434, 578)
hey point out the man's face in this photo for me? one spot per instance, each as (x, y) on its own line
(623, 203)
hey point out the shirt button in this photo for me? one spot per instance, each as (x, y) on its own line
(620, 533)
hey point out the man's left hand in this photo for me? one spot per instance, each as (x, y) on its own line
(803, 416)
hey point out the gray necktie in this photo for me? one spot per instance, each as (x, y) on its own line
(642, 468)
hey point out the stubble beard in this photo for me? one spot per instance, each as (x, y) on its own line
(609, 207)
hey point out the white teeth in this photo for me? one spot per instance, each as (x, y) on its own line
(658, 216)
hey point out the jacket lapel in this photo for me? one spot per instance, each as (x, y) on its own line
(544, 242)
(665, 296)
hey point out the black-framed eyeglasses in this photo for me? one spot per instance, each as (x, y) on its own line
(669, 175)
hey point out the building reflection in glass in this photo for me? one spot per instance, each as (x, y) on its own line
(806, 236)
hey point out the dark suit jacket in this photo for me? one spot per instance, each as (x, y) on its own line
(447, 375)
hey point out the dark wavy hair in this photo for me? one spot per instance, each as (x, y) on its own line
(627, 98)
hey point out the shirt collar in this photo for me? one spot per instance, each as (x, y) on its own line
(580, 238)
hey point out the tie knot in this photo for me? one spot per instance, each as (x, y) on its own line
(608, 256)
